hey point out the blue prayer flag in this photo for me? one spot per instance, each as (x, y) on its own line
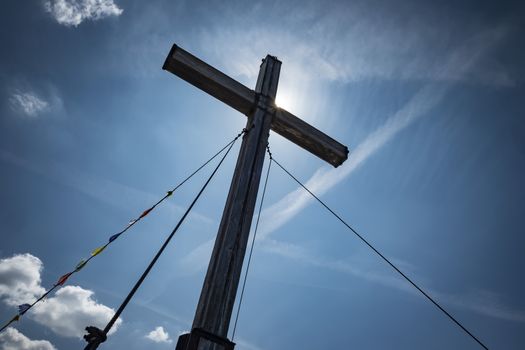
(23, 308)
(114, 237)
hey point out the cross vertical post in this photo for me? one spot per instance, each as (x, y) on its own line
(222, 278)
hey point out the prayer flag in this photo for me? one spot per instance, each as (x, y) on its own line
(114, 237)
(169, 193)
(146, 212)
(132, 222)
(23, 308)
(63, 279)
(99, 249)
(80, 265)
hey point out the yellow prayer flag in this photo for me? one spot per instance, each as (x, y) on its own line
(98, 250)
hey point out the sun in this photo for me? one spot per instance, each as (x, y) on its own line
(285, 100)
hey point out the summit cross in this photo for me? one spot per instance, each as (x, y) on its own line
(214, 310)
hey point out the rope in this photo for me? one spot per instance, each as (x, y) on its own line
(96, 336)
(385, 259)
(251, 248)
(26, 307)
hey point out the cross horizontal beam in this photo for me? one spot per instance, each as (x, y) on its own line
(243, 99)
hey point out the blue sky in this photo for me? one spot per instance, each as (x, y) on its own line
(428, 96)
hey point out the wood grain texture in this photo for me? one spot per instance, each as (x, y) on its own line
(211, 80)
(219, 85)
(222, 278)
(311, 139)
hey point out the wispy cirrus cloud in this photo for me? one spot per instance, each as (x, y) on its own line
(197, 259)
(12, 339)
(462, 61)
(28, 103)
(325, 179)
(485, 303)
(354, 268)
(378, 43)
(33, 101)
(74, 12)
(66, 313)
(110, 192)
(482, 302)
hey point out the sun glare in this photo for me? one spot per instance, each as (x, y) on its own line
(285, 100)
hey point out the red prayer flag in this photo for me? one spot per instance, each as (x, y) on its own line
(146, 212)
(63, 279)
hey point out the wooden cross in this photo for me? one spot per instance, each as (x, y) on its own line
(222, 278)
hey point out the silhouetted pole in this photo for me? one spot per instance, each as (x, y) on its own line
(222, 278)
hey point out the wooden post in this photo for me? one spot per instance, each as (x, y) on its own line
(214, 310)
(222, 278)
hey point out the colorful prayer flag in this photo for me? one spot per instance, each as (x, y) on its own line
(63, 279)
(80, 265)
(131, 222)
(23, 308)
(146, 212)
(114, 237)
(99, 249)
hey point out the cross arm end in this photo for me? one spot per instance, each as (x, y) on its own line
(308, 137)
(209, 79)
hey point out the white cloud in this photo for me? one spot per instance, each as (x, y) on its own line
(11, 339)
(70, 310)
(159, 335)
(28, 103)
(66, 313)
(74, 12)
(20, 279)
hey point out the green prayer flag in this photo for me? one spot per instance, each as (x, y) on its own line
(80, 265)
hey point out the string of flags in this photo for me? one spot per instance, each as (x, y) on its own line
(23, 308)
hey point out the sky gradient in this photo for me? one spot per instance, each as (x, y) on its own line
(428, 96)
